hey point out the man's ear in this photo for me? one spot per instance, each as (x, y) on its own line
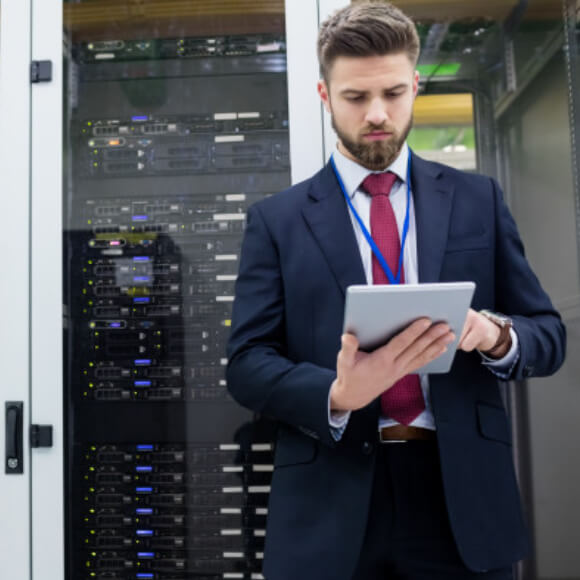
(415, 83)
(322, 89)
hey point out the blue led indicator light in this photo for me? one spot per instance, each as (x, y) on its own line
(144, 468)
(143, 361)
(144, 511)
(140, 218)
(142, 383)
(141, 278)
(144, 532)
(141, 300)
(141, 258)
(145, 554)
(114, 325)
(144, 490)
(144, 447)
(145, 575)
(139, 118)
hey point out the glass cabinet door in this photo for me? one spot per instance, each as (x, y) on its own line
(176, 120)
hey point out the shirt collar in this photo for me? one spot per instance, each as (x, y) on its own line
(353, 174)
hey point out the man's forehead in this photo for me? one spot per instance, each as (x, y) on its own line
(370, 68)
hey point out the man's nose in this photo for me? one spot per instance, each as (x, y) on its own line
(376, 113)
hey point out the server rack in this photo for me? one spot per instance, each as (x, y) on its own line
(169, 141)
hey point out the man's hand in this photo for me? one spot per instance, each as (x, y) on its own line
(361, 377)
(480, 333)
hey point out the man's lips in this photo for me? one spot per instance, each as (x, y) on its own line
(377, 135)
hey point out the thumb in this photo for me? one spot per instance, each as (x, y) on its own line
(349, 348)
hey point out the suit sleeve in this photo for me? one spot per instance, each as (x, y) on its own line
(260, 376)
(541, 334)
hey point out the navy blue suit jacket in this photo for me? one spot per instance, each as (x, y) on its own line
(299, 254)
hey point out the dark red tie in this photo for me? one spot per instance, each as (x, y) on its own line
(404, 401)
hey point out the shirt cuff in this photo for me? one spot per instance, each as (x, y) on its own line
(337, 421)
(504, 366)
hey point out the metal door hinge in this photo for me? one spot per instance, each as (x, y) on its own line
(41, 436)
(40, 71)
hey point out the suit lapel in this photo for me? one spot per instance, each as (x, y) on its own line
(433, 199)
(328, 219)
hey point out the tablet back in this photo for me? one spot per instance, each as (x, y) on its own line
(376, 313)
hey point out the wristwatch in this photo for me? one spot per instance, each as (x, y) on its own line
(505, 323)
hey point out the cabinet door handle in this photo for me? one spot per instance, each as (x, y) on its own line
(13, 451)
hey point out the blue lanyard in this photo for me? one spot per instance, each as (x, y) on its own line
(392, 279)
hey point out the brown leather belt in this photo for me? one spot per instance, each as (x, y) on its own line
(405, 433)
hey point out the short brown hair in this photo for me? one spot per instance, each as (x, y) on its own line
(366, 29)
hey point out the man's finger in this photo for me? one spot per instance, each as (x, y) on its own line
(434, 333)
(406, 337)
(467, 325)
(420, 357)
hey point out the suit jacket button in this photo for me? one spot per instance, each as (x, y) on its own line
(367, 448)
(528, 371)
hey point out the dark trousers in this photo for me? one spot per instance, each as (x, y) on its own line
(408, 535)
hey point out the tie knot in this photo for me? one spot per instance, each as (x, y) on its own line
(379, 183)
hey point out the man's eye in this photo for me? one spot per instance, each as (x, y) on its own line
(354, 98)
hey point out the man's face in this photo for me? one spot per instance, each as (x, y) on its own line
(371, 101)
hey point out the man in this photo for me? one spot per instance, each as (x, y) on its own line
(380, 473)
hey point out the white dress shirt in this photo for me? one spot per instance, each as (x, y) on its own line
(353, 175)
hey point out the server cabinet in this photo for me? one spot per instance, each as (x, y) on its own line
(152, 127)
(170, 136)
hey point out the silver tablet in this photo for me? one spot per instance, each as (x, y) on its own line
(376, 313)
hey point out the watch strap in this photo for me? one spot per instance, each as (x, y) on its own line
(505, 324)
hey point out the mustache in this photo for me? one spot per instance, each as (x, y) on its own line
(382, 128)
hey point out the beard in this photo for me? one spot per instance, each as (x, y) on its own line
(376, 155)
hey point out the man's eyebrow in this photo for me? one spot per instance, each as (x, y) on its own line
(362, 92)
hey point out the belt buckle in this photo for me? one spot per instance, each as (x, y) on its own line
(388, 441)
